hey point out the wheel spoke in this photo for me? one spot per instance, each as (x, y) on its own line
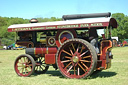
(28, 62)
(26, 69)
(86, 57)
(30, 68)
(24, 60)
(19, 66)
(82, 49)
(73, 47)
(43, 65)
(85, 61)
(84, 65)
(65, 61)
(78, 48)
(68, 57)
(71, 51)
(67, 65)
(41, 68)
(69, 69)
(22, 70)
(21, 61)
(78, 71)
(43, 60)
(29, 65)
(83, 53)
(66, 52)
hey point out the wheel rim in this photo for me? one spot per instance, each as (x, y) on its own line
(75, 60)
(63, 35)
(24, 66)
(41, 67)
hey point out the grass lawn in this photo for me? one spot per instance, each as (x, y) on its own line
(116, 75)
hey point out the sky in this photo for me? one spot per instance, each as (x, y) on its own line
(28, 9)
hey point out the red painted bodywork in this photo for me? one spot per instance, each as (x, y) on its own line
(104, 48)
(50, 58)
(47, 50)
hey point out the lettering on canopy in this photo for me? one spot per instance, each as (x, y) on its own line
(58, 27)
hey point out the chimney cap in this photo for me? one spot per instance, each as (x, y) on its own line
(33, 20)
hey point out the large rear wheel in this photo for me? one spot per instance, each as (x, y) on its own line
(76, 58)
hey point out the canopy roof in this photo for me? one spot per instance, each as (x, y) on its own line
(69, 24)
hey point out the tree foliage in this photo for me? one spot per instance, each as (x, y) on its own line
(122, 30)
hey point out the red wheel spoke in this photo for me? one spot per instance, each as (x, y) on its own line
(67, 52)
(67, 65)
(69, 69)
(86, 57)
(83, 53)
(82, 67)
(68, 57)
(85, 61)
(65, 61)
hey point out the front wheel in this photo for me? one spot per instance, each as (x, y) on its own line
(76, 58)
(24, 65)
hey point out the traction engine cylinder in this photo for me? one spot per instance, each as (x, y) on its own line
(42, 51)
(48, 53)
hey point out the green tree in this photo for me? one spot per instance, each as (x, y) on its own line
(122, 30)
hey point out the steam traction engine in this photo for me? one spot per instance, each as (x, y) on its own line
(65, 45)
